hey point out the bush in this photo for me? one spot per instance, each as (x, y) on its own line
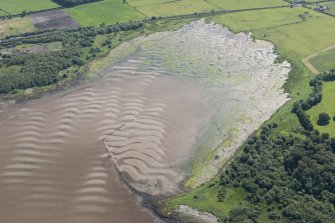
(323, 119)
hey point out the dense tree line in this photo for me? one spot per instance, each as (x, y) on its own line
(294, 177)
(70, 3)
(38, 69)
(43, 69)
(315, 97)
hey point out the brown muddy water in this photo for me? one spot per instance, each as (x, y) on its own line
(62, 155)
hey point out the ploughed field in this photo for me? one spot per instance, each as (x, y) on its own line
(160, 100)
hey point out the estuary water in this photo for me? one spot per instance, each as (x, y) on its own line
(158, 101)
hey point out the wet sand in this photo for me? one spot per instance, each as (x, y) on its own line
(61, 155)
(54, 165)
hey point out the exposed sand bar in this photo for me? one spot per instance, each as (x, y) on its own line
(172, 92)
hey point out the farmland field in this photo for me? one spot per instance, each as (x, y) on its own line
(310, 31)
(324, 61)
(331, 7)
(266, 24)
(108, 11)
(280, 27)
(55, 19)
(327, 105)
(242, 4)
(137, 3)
(3, 13)
(17, 6)
(176, 8)
(260, 19)
(15, 26)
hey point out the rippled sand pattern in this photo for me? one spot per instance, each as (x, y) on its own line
(53, 157)
(61, 155)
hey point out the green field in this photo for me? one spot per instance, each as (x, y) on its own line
(242, 4)
(280, 27)
(260, 19)
(137, 3)
(15, 26)
(180, 7)
(17, 6)
(39, 48)
(176, 7)
(327, 105)
(9, 70)
(311, 37)
(3, 13)
(324, 61)
(331, 7)
(107, 11)
(204, 198)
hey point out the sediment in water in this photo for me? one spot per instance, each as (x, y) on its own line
(172, 94)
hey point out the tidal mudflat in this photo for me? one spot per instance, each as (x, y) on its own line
(158, 101)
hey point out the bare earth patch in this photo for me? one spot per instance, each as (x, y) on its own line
(15, 26)
(55, 19)
(42, 48)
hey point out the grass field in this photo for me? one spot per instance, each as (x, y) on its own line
(107, 11)
(280, 27)
(204, 198)
(331, 7)
(242, 4)
(17, 6)
(137, 3)
(316, 33)
(260, 19)
(311, 37)
(15, 26)
(324, 61)
(3, 13)
(176, 7)
(327, 105)
(9, 70)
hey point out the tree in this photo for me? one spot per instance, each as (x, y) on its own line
(23, 13)
(243, 214)
(323, 119)
(70, 3)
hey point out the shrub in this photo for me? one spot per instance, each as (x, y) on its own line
(323, 119)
